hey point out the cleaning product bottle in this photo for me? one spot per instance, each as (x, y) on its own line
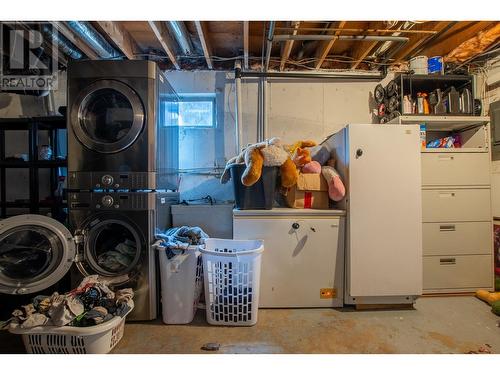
(426, 103)
(407, 105)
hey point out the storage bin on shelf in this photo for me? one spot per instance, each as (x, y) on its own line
(99, 339)
(181, 285)
(258, 196)
(231, 271)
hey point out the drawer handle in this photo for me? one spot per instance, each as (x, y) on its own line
(445, 261)
(446, 228)
(446, 194)
(445, 157)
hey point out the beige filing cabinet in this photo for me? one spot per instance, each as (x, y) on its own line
(456, 206)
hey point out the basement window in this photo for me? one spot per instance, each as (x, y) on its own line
(196, 112)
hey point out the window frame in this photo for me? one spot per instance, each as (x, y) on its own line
(199, 98)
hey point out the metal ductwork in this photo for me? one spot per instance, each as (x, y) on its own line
(95, 40)
(62, 42)
(181, 36)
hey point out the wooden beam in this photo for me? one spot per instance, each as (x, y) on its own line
(419, 40)
(160, 31)
(325, 47)
(205, 44)
(121, 37)
(455, 36)
(289, 45)
(363, 55)
(76, 40)
(359, 57)
(246, 37)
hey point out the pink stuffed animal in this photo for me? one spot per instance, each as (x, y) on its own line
(336, 188)
(311, 167)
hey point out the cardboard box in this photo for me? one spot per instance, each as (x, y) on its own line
(311, 191)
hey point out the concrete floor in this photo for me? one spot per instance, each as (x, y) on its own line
(436, 325)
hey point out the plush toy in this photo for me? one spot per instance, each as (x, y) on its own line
(300, 154)
(311, 167)
(489, 297)
(269, 153)
(336, 188)
(320, 153)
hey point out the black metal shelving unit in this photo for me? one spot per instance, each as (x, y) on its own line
(32, 125)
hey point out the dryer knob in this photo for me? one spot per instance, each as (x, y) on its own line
(107, 201)
(107, 180)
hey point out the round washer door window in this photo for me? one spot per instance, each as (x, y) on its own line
(113, 248)
(107, 116)
(33, 255)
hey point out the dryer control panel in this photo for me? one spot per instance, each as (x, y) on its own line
(120, 200)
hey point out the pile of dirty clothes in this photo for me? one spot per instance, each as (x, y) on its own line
(120, 257)
(177, 240)
(90, 304)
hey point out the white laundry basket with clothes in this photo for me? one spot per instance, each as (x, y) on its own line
(99, 339)
(231, 270)
(181, 285)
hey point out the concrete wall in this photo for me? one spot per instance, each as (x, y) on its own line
(296, 110)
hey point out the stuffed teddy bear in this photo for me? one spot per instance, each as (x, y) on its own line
(269, 153)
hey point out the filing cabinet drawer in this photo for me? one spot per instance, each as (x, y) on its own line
(455, 169)
(457, 272)
(445, 205)
(460, 238)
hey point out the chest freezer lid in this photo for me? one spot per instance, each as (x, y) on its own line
(35, 252)
(284, 211)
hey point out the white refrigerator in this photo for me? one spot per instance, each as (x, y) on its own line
(380, 166)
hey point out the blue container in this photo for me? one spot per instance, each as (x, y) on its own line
(435, 65)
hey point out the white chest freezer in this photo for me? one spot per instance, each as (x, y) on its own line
(303, 260)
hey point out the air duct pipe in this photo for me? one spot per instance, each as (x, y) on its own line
(95, 40)
(181, 35)
(338, 77)
(62, 42)
(239, 114)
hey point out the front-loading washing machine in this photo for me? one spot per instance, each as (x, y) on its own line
(111, 234)
(122, 131)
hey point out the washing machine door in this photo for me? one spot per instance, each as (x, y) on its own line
(35, 252)
(112, 248)
(107, 116)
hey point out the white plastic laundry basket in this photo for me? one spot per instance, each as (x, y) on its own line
(181, 285)
(99, 339)
(231, 271)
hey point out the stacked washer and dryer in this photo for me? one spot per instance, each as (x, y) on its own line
(122, 180)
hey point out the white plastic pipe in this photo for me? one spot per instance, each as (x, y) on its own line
(237, 108)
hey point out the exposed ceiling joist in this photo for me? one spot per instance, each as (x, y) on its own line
(326, 47)
(456, 36)
(161, 33)
(419, 41)
(205, 43)
(361, 53)
(246, 27)
(288, 46)
(76, 40)
(120, 37)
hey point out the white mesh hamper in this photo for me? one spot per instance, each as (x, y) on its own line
(231, 271)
